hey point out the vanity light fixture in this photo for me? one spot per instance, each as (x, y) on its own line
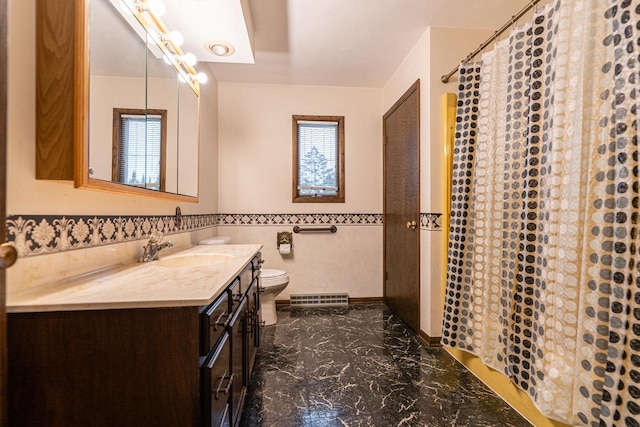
(200, 77)
(154, 6)
(188, 58)
(148, 12)
(174, 37)
(219, 47)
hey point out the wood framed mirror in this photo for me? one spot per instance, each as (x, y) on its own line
(88, 68)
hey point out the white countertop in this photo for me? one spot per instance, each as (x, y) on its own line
(140, 285)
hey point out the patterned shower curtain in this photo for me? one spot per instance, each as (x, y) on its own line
(543, 278)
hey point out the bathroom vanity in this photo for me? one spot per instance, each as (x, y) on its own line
(164, 343)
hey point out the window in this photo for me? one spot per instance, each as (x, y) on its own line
(139, 147)
(318, 157)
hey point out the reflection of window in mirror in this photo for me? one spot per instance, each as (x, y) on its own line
(139, 147)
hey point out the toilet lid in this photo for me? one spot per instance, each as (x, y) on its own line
(269, 273)
(270, 277)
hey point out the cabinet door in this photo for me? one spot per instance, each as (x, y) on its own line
(239, 366)
(217, 382)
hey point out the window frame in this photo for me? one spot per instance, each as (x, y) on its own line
(339, 197)
(117, 120)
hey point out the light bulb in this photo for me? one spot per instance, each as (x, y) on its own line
(189, 59)
(174, 37)
(201, 77)
(219, 49)
(156, 7)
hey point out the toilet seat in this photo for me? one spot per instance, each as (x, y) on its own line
(272, 277)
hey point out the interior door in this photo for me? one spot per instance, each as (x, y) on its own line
(401, 126)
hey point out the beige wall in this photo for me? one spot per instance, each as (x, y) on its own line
(255, 175)
(437, 51)
(348, 261)
(256, 143)
(26, 195)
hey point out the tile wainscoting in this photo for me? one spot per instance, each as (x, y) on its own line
(431, 221)
(46, 234)
(300, 219)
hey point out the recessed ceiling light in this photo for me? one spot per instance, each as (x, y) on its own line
(219, 47)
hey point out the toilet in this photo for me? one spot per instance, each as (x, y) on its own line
(272, 282)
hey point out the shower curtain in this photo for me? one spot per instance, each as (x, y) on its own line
(543, 280)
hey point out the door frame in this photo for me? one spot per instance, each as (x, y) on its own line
(4, 59)
(415, 87)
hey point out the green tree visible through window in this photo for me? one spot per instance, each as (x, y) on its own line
(315, 172)
(318, 153)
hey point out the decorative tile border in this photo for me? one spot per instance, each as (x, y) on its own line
(431, 221)
(300, 219)
(45, 234)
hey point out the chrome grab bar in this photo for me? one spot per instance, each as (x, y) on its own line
(331, 229)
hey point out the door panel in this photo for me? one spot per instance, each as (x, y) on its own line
(401, 207)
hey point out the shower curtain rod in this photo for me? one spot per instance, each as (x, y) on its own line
(445, 78)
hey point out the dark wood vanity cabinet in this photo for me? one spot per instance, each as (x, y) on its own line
(173, 366)
(254, 321)
(243, 328)
(239, 359)
(217, 381)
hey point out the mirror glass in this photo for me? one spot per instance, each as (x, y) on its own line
(141, 117)
(188, 140)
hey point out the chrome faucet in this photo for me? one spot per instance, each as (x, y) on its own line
(153, 247)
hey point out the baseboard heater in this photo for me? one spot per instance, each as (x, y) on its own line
(319, 300)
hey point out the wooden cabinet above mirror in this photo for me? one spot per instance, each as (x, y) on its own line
(77, 97)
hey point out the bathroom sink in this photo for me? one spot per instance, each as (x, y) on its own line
(192, 260)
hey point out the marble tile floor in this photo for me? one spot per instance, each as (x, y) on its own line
(362, 366)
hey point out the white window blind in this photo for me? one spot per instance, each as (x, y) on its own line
(317, 158)
(140, 150)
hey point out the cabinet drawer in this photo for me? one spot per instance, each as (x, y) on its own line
(217, 382)
(213, 321)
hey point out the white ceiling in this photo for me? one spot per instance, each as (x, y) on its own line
(349, 42)
(315, 42)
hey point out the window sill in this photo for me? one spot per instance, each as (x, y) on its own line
(320, 199)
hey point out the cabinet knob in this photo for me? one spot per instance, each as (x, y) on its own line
(8, 256)
(411, 225)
